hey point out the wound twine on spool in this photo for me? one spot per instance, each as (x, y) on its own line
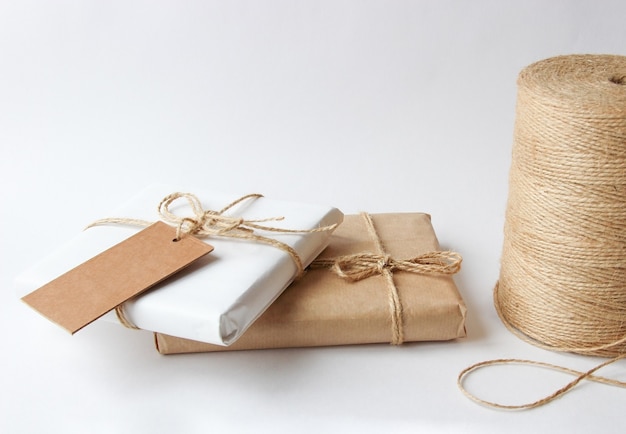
(562, 282)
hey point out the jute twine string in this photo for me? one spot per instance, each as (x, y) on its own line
(207, 223)
(362, 265)
(562, 281)
(580, 376)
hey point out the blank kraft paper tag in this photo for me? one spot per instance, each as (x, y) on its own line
(105, 281)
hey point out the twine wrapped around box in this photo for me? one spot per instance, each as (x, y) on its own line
(362, 265)
(209, 223)
(382, 279)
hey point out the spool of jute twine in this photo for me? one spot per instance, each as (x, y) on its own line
(563, 271)
(562, 283)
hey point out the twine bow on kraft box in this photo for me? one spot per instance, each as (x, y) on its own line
(382, 279)
(217, 297)
(562, 282)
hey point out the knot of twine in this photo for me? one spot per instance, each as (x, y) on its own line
(209, 223)
(360, 266)
(363, 265)
(562, 282)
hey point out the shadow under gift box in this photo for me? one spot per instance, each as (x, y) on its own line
(322, 309)
(217, 297)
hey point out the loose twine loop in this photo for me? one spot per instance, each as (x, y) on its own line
(562, 281)
(580, 376)
(360, 266)
(207, 223)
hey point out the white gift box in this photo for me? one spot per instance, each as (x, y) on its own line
(217, 297)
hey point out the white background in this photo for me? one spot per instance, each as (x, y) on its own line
(382, 106)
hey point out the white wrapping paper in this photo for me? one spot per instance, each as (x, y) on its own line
(216, 298)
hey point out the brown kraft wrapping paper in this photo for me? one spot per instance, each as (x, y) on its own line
(323, 309)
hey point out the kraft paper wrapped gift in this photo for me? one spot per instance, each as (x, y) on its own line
(217, 297)
(323, 309)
